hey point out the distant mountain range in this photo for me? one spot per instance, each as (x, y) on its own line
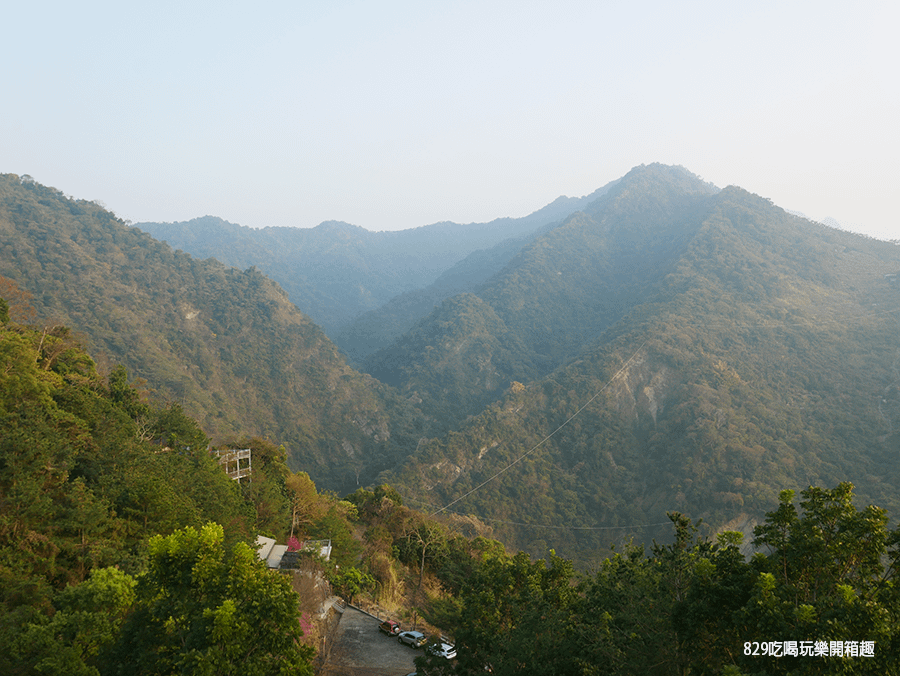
(335, 272)
(568, 378)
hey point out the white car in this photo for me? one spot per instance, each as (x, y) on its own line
(442, 650)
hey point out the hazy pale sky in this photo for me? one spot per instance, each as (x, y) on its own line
(392, 115)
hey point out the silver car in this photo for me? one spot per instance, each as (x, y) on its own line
(414, 639)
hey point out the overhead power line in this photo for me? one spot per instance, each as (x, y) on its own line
(545, 439)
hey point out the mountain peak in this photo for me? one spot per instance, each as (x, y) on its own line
(675, 175)
(339, 226)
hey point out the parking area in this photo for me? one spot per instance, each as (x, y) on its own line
(359, 649)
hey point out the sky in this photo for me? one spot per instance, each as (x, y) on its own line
(392, 115)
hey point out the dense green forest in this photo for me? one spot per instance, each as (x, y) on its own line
(820, 597)
(225, 344)
(669, 346)
(123, 545)
(124, 549)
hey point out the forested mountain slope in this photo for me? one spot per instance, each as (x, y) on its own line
(225, 343)
(88, 474)
(669, 346)
(379, 328)
(729, 350)
(558, 293)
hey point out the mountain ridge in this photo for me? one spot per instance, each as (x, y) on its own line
(572, 276)
(762, 367)
(335, 284)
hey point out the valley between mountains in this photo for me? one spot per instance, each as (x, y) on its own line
(560, 381)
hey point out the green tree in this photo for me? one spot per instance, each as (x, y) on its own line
(334, 525)
(304, 500)
(85, 625)
(350, 582)
(624, 617)
(204, 610)
(710, 632)
(515, 617)
(125, 395)
(825, 579)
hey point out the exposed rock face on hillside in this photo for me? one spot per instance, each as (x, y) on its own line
(640, 390)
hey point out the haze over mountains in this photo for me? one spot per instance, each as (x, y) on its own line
(337, 271)
(658, 345)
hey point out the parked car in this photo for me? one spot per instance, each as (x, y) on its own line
(389, 627)
(414, 639)
(442, 650)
